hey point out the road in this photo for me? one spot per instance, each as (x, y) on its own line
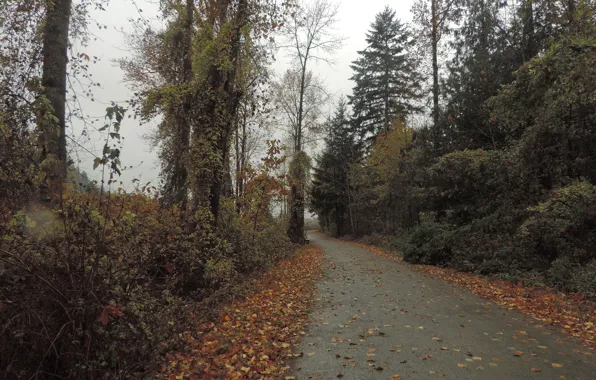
(375, 319)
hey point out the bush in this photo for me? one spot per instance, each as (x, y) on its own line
(429, 243)
(97, 287)
(564, 226)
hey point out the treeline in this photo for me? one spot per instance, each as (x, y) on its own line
(500, 179)
(97, 282)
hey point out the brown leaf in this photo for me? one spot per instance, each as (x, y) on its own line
(104, 318)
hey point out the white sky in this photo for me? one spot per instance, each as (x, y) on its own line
(355, 17)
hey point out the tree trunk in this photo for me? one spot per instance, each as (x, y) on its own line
(243, 157)
(180, 180)
(238, 173)
(296, 223)
(435, 44)
(55, 61)
(529, 49)
(233, 97)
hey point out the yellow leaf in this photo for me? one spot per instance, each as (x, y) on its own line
(556, 365)
(461, 365)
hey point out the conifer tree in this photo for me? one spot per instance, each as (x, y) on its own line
(330, 191)
(387, 83)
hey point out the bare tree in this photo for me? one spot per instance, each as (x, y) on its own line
(310, 35)
(253, 126)
(288, 101)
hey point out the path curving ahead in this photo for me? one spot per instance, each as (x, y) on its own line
(375, 319)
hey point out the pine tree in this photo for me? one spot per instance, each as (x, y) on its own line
(330, 193)
(387, 83)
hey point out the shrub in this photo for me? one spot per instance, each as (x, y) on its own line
(429, 243)
(564, 226)
(96, 287)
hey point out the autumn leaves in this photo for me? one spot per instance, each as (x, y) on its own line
(254, 337)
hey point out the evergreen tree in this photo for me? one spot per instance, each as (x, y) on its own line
(387, 83)
(330, 193)
(486, 55)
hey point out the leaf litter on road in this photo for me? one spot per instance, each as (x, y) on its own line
(572, 312)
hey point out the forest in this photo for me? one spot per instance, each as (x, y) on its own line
(500, 180)
(465, 143)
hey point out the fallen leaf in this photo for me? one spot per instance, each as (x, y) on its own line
(271, 313)
(535, 370)
(556, 365)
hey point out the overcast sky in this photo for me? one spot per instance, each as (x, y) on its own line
(355, 17)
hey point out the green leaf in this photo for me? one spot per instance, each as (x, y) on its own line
(97, 162)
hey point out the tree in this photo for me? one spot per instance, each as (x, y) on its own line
(287, 97)
(486, 53)
(387, 83)
(196, 72)
(380, 190)
(162, 74)
(309, 36)
(330, 192)
(55, 61)
(432, 25)
(254, 123)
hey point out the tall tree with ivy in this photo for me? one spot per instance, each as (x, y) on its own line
(387, 84)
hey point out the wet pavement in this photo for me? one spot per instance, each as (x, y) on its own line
(378, 319)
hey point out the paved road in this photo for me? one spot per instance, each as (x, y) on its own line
(375, 318)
